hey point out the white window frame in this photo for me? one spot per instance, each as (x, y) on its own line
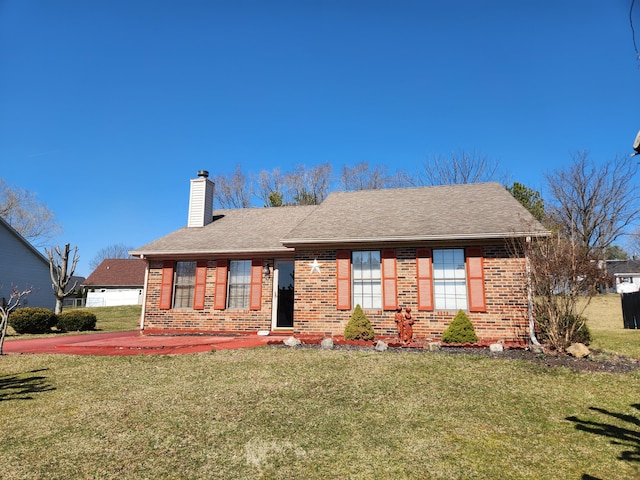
(239, 285)
(450, 279)
(366, 279)
(184, 283)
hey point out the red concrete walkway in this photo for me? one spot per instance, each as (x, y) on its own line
(133, 343)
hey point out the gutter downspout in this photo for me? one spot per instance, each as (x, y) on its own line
(532, 325)
(144, 295)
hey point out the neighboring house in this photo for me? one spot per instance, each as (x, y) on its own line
(116, 281)
(303, 269)
(626, 275)
(23, 266)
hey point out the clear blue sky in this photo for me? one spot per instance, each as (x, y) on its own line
(108, 108)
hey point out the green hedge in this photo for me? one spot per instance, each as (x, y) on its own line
(32, 320)
(76, 320)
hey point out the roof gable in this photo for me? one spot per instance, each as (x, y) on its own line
(28, 246)
(468, 211)
(118, 272)
(453, 212)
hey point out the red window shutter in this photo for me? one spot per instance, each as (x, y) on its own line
(255, 295)
(475, 273)
(424, 272)
(220, 301)
(166, 286)
(389, 280)
(200, 286)
(343, 279)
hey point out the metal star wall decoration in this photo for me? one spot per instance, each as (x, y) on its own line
(315, 266)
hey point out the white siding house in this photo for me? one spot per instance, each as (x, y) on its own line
(626, 275)
(116, 281)
(23, 266)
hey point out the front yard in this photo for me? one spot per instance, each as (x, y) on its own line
(308, 413)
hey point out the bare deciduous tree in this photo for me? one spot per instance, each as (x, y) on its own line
(271, 188)
(463, 167)
(362, 177)
(233, 191)
(26, 214)
(563, 278)
(117, 250)
(309, 186)
(633, 243)
(61, 272)
(8, 306)
(594, 204)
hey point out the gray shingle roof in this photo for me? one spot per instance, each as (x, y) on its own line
(454, 212)
(245, 230)
(622, 267)
(469, 211)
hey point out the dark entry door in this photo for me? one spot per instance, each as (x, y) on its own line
(284, 315)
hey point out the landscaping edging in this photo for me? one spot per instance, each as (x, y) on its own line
(596, 362)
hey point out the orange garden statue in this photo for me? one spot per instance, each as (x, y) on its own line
(404, 323)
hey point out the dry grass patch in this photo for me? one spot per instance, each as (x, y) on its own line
(604, 318)
(286, 413)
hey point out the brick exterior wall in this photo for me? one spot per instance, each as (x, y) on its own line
(315, 311)
(506, 316)
(208, 320)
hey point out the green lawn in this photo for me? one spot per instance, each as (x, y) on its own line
(604, 318)
(313, 414)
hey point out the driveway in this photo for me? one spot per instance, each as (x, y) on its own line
(133, 343)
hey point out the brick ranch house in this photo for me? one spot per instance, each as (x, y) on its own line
(301, 270)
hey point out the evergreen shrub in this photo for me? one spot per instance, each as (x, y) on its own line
(76, 321)
(460, 330)
(32, 320)
(359, 327)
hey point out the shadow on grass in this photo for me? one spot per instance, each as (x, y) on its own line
(22, 387)
(627, 435)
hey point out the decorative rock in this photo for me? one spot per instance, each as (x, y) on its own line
(381, 346)
(264, 333)
(433, 346)
(537, 349)
(578, 350)
(496, 348)
(326, 344)
(292, 342)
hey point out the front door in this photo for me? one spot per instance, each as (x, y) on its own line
(283, 294)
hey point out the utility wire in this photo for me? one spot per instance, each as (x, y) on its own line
(633, 32)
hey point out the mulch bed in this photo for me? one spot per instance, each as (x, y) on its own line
(595, 362)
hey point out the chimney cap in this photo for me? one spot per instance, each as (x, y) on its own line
(203, 173)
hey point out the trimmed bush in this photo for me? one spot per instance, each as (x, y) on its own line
(76, 321)
(460, 330)
(359, 327)
(32, 320)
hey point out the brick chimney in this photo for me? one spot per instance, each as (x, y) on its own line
(201, 200)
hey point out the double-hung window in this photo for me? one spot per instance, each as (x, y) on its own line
(367, 279)
(450, 279)
(184, 284)
(239, 284)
